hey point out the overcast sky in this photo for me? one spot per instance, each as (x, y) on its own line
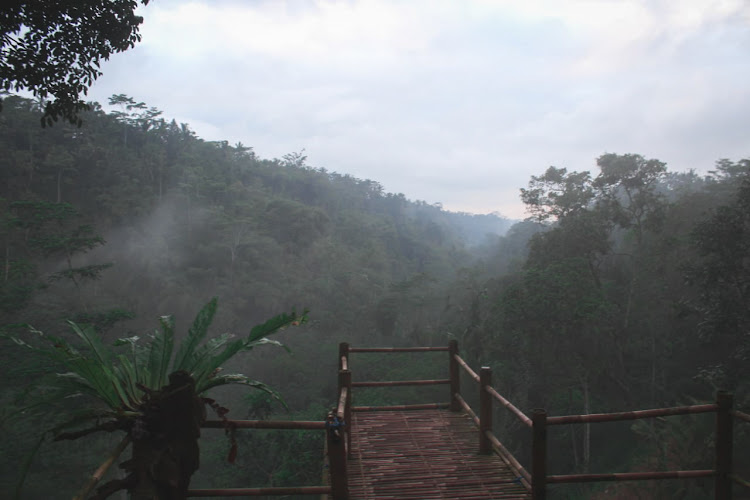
(457, 102)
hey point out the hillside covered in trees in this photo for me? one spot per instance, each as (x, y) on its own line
(627, 288)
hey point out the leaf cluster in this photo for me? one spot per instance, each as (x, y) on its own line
(121, 383)
(52, 47)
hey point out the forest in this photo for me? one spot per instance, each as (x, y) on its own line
(627, 287)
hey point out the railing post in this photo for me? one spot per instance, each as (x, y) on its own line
(539, 455)
(454, 375)
(723, 483)
(344, 353)
(337, 458)
(485, 409)
(345, 380)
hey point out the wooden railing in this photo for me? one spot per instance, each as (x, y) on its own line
(337, 437)
(538, 480)
(338, 427)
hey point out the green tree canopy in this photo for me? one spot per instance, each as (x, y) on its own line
(56, 47)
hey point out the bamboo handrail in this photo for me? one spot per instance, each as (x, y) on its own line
(630, 476)
(397, 383)
(631, 415)
(426, 406)
(103, 468)
(468, 369)
(468, 409)
(741, 415)
(518, 413)
(254, 492)
(506, 455)
(398, 349)
(265, 424)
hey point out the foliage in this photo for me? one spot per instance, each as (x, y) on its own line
(121, 383)
(721, 271)
(51, 47)
(615, 295)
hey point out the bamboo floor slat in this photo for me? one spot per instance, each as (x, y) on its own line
(425, 454)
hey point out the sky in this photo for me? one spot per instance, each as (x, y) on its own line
(454, 102)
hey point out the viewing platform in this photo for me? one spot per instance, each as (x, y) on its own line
(424, 454)
(448, 450)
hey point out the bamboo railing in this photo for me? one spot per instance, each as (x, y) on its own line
(336, 446)
(338, 427)
(337, 437)
(538, 480)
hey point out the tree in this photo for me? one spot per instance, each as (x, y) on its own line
(557, 194)
(52, 47)
(722, 275)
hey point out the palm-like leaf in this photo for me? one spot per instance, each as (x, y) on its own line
(238, 378)
(117, 380)
(186, 353)
(160, 353)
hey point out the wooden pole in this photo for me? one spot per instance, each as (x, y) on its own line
(345, 381)
(539, 455)
(454, 375)
(485, 410)
(723, 483)
(337, 458)
(344, 353)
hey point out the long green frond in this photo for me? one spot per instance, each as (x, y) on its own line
(238, 378)
(92, 341)
(211, 364)
(275, 324)
(196, 334)
(160, 353)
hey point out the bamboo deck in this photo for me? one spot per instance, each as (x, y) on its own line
(425, 454)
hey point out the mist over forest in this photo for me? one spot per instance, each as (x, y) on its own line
(628, 287)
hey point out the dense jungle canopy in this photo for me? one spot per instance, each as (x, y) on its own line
(628, 287)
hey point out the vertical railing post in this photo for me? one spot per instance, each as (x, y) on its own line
(485, 409)
(454, 375)
(345, 381)
(344, 353)
(337, 458)
(539, 455)
(723, 483)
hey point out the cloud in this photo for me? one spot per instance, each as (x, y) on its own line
(452, 102)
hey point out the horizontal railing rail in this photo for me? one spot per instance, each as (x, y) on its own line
(507, 404)
(265, 424)
(631, 415)
(630, 476)
(345, 350)
(399, 383)
(425, 406)
(398, 349)
(335, 489)
(256, 492)
(467, 368)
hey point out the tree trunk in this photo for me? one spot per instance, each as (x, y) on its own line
(165, 442)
